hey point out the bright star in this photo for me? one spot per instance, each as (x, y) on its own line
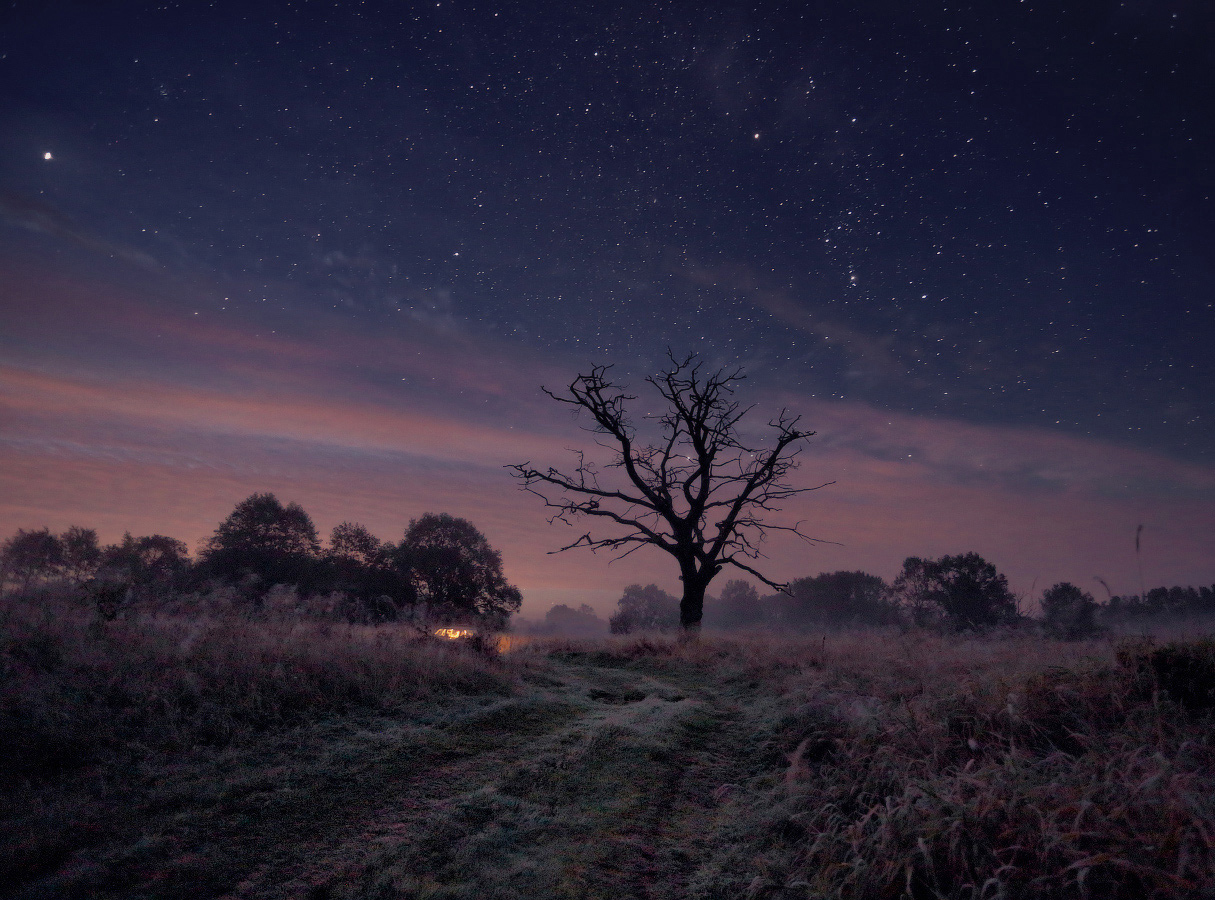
(47, 155)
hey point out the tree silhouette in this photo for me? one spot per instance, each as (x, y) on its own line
(456, 572)
(700, 492)
(81, 552)
(648, 608)
(964, 591)
(262, 538)
(1068, 612)
(365, 569)
(562, 619)
(834, 599)
(739, 606)
(30, 555)
(150, 564)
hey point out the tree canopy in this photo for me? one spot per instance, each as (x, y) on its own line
(964, 591)
(265, 540)
(456, 572)
(648, 608)
(834, 599)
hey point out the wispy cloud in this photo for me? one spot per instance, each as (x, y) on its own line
(40, 217)
(197, 412)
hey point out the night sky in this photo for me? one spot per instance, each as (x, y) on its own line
(333, 250)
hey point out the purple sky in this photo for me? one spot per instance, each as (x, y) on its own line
(334, 251)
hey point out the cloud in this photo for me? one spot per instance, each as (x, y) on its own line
(176, 417)
(42, 218)
(875, 354)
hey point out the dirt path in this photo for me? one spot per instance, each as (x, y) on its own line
(598, 779)
(602, 782)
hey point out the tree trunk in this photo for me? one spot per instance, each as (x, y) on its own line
(692, 606)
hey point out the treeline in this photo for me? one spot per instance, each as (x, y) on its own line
(952, 593)
(443, 569)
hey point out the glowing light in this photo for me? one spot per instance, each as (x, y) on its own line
(47, 155)
(452, 633)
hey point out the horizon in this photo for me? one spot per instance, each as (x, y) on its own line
(335, 254)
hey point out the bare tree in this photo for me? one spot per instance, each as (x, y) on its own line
(699, 493)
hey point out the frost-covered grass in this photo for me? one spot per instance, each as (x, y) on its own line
(169, 756)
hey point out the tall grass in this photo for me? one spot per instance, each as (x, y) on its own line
(915, 767)
(74, 690)
(852, 765)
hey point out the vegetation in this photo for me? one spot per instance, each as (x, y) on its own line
(1068, 612)
(196, 728)
(698, 492)
(266, 558)
(646, 608)
(566, 620)
(456, 571)
(161, 756)
(964, 591)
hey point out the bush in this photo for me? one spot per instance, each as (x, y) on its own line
(646, 608)
(1184, 671)
(1068, 612)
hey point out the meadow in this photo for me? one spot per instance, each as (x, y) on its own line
(164, 756)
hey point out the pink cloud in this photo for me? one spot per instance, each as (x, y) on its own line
(121, 413)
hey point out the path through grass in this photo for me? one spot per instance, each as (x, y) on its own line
(860, 766)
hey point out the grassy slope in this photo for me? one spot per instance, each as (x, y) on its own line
(857, 767)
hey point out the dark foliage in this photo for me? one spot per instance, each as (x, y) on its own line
(1161, 604)
(1184, 671)
(455, 570)
(263, 543)
(738, 606)
(366, 570)
(562, 619)
(646, 608)
(30, 557)
(81, 553)
(149, 565)
(1068, 612)
(964, 591)
(836, 599)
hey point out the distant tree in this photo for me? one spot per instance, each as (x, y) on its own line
(355, 542)
(364, 568)
(836, 599)
(646, 608)
(264, 542)
(29, 557)
(964, 591)
(1068, 612)
(81, 552)
(151, 565)
(700, 492)
(455, 570)
(739, 606)
(564, 619)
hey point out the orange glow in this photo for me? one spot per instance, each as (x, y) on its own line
(382, 428)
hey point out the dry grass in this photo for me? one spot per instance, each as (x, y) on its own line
(164, 757)
(920, 767)
(73, 689)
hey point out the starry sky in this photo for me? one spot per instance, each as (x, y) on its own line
(333, 250)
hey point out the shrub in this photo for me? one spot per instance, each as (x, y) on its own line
(1068, 612)
(648, 608)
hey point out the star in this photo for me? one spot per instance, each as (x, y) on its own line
(47, 155)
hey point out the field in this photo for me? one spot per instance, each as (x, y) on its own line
(163, 758)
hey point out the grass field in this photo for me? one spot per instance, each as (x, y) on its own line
(168, 758)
